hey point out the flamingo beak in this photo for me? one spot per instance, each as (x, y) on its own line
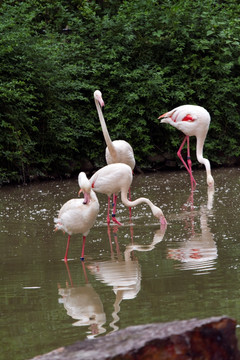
(162, 116)
(101, 102)
(86, 198)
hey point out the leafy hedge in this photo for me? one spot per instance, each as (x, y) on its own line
(146, 56)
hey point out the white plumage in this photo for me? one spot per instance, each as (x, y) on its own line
(192, 120)
(79, 215)
(117, 151)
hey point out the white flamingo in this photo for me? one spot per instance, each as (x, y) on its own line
(78, 215)
(115, 178)
(117, 151)
(192, 120)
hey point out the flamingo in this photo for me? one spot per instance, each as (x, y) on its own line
(78, 215)
(115, 178)
(192, 120)
(117, 151)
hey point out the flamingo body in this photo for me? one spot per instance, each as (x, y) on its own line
(192, 120)
(123, 153)
(112, 179)
(78, 215)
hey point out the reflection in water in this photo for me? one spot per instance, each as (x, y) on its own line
(199, 252)
(123, 272)
(83, 304)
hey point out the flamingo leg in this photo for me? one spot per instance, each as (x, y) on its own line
(114, 210)
(189, 161)
(115, 220)
(83, 246)
(189, 166)
(114, 204)
(108, 218)
(66, 253)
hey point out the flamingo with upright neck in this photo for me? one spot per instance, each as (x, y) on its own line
(192, 120)
(117, 151)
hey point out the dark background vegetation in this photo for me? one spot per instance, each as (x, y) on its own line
(146, 56)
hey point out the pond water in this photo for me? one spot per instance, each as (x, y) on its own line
(133, 274)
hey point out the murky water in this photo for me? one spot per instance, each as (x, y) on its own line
(133, 274)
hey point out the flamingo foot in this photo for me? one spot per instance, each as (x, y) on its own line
(115, 220)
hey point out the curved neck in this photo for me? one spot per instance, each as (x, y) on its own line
(93, 196)
(104, 128)
(136, 202)
(201, 159)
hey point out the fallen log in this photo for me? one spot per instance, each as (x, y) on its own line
(208, 339)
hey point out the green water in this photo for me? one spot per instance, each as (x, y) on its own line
(134, 274)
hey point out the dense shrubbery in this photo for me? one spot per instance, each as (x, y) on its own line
(146, 56)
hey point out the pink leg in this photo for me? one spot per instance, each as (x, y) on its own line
(83, 246)
(189, 166)
(108, 218)
(66, 253)
(114, 210)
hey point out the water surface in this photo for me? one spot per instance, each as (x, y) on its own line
(134, 274)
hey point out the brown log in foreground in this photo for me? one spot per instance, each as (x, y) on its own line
(208, 339)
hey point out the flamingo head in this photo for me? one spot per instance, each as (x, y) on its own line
(165, 118)
(85, 187)
(98, 97)
(157, 212)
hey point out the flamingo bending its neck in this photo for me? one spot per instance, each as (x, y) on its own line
(78, 215)
(115, 178)
(192, 120)
(117, 151)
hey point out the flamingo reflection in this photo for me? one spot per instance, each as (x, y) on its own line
(199, 252)
(83, 304)
(123, 271)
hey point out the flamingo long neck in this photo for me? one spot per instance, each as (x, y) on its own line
(93, 196)
(136, 202)
(202, 160)
(104, 129)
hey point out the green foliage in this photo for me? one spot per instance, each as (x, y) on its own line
(146, 56)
